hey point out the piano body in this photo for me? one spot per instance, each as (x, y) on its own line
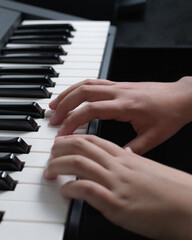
(30, 207)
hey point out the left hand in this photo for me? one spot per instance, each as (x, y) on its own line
(155, 110)
(133, 192)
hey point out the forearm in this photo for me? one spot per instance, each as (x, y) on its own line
(178, 223)
(184, 223)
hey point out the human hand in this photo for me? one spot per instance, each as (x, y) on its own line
(133, 192)
(155, 110)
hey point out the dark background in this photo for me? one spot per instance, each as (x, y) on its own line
(154, 37)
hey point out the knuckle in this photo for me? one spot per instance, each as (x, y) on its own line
(88, 189)
(88, 81)
(54, 149)
(150, 138)
(60, 96)
(90, 137)
(84, 89)
(52, 166)
(91, 107)
(78, 142)
(59, 109)
(57, 147)
(77, 162)
(68, 121)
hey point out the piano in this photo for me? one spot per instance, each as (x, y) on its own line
(30, 207)
(37, 62)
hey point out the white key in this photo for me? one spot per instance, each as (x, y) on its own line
(31, 176)
(36, 193)
(46, 131)
(89, 73)
(69, 80)
(39, 145)
(34, 211)
(78, 65)
(34, 159)
(43, 231)
(35, 176)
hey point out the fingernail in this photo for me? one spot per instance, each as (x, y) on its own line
(62, 131)
(58, 138)
(128, 149)
(53, 103)
(45, 173)
(50, 157)
(53, 119)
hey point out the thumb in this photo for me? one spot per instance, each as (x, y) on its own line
(142, 143)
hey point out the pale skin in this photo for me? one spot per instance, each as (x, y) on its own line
(133, 192)
(155, 110)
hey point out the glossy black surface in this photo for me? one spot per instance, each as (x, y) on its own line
(26, 80)
(21, 108)
(10, 162)
(40, 39)
(57, 49)
(6, 182)
(32, 70)
(18, 123)
(36, 91)
(64, 26)
(44, 31)
(14, 145)
(32, 58)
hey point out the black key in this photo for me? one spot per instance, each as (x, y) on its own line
(21, 108)
(18, 123)
(10, 162)
(48, 25)
(44, 31)
(32, 49)
(31, 58)
(26, 80)
(32, 70)
(39, 39)
(30, 91)
(14, 145)
(6, 182)
(1, 216)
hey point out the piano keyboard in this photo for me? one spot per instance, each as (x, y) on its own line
(34, 208)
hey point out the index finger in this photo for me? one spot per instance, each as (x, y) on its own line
(53, 104)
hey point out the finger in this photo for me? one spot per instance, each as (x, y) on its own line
(53, 104)
(128, 149)
(83, 146)
(110, 147)
(79, 166)
(93, 193)
(82, 94)
(143, 143)
(103, 110)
